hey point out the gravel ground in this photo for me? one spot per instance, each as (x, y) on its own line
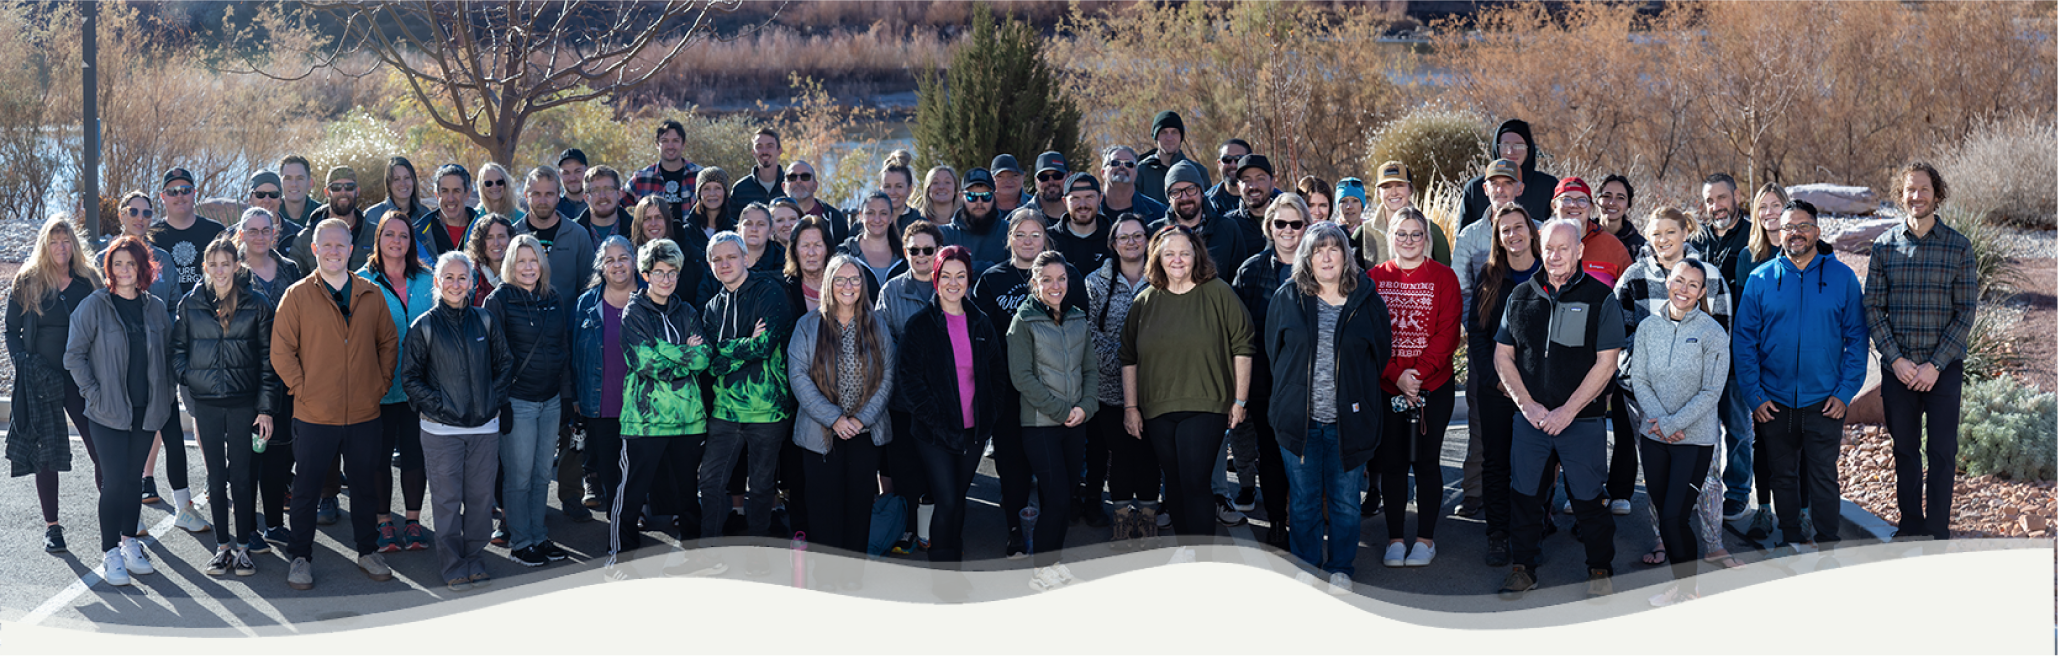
(1981, 506)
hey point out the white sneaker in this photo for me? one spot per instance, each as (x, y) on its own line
(1307, 579)
(142, 529)
(1339, 584)
(114, 569)
(1420, 554)
(1396, 555)
(1567, 509)
(1065, 576)
(1619, 506)
(133, 557)
(1045, 579)
(191, 520)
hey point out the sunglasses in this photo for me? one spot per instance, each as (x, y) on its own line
(1353, 183)
(921, 251)
(1124, 163)
(1282, 224)
(264, 195)
(492, 183)
(800, 177)
(1231, 159)
(343, 186)
(144, 212)
(978, 196)
(1049, 176)
(179, 191)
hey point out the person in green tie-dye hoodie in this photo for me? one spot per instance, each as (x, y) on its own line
(664, 421)
(749, 321)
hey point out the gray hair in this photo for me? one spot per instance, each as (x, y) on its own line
(449, 258)
(654, 252)
(507, 261)
(1109, 152)
(600, 255)
(726, 237)
(255, 212)
(1543, 234)
(1318, 235)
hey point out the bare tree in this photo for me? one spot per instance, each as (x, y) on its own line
(483, 69)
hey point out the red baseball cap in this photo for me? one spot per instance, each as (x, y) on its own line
(1571, 184)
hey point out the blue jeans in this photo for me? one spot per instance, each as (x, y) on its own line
(1739, 432)
(1318, 472)
(525, 453)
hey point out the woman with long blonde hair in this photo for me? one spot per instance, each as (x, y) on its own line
(496, 192)
(49, 286)
(942, 196)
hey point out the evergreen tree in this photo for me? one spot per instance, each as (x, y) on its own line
(998, 96)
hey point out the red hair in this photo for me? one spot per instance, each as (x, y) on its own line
(952, 253)
(146, 266)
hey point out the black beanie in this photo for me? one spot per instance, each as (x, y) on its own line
(1167, 119)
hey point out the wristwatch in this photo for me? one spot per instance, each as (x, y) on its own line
(1240, 403)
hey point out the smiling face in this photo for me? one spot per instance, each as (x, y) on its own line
(1503, 190)
(1186, 200)
(220, 269)
(1410, 239)
(1256, 186)
(528, 268)
(1515, 232)
(800, 181)
(295, 180)
(135, 217)
(1561, 253)
(1175, 256)
(953, 281)
(603, 195)
(1082, 206)
(1132, 240)
(1120, 167)
(1766, 209)
(921, 255)
(1799, 232)
(783, 220)
(1718, 203)
(1918, 194)
(896, 185)
(121, 267)
(1050, 282)
(450, 195)
(1318, 206)
(177, 199)
(1025, 241)
(765, 150)
(1286, 228)
(1225, 160)
(573, 175)
(497, 237)
(1685, 287)
(400, 183)
(1050, 187)
(847, 285)
(878, 217)
(1395, 195)
(1614, 202)
(1667, 237)
(394, 238)
(1352, 209)
(664, 279)
(712, 195)
(259, 232)
(454, 283)
(342, 196)
(669, 145)
(653, 223)
(726, 260)
(617, 264)
(943, 188)
(57, 251)
(492, 186)
(1573, 205)
(332, 251)
(266, 196)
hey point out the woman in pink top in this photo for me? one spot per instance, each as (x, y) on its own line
(1422, 298)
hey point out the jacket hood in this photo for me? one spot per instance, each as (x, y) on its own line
(1184, 171)
(1519, 127)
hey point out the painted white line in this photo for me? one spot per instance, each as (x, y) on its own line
(64, 597)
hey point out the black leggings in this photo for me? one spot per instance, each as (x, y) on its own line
(1622, 463)
(950, 480)
(225, 434)
(1132, 468)
(1418, 446)
(842, 484)
(399, 426)
(46, 479)
(603, 443)
(121, 452)
(173, 440)
(665, 469)
(275, 466)
(1186, 444)
(1673, 480)
(1010, 463)
(904, 465)
(1055, 455)
(1496, 436)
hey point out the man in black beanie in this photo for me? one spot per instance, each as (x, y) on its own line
(1169, 131)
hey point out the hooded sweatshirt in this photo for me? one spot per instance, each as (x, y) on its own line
(1536, 185)
(749, 369)
(1800, 334)
(986, 237)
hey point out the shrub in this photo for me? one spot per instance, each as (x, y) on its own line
(1990, 349)
(362, 142)
(998, 96)
(1998, 273)
(1437, 144)
(2002, 173)
(2005, 430)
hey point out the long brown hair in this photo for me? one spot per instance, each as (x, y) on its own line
(829, 339)
(39, 275)
(1489, 289)
(224, 304)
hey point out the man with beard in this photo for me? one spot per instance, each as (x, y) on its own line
(343, 207)
(446, 228)
(181, 232)
(1169, 131)
(1050, 187)
(1512, 142)
(801, 184)
(1082, 234)
(1224, 241)
(977, 225)
(1723, 239)
(571, 168)
(1224, 197)
(672, 178)
(1007, 184)
(765, 181)
(603, 215)
(1727, 232)
(1123, 193)
(1253, 178)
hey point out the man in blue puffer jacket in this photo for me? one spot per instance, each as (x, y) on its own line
(1799, 345)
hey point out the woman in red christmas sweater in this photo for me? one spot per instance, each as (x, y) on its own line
(1422, 297)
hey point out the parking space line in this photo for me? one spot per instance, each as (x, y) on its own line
(78, 587)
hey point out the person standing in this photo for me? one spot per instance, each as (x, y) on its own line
(1422, 299)
(953, 402)
(221, 356)
(1350, 206)
(1605, 258)
(978, 226)
(1133, 477)
(487, 246)
(876, 244)
(1921, 293)
(1168, 134)
(183, 234)
(406, 285)
(334, 346)
(1556, 351)
(941, 197)
(1679, 369)
(801, 184)
(1742, 472)
(1328, 339)
(571, 170)
(711, 212)
(1469, 260)
(603, 215)
(296, 209)
(598, 367)
(446, 228)
(1051, 182)
(1514, 258)
(664, 421)
(1512, 141)
(747, 323)
(1190, 382)
(839, 362)
(1286, 219)
(117, 352)
(51, 283)
(1082, 233)
(456, 372)
(270, 274)
(136, 218)
(999, 292)
(1118, 167)
(1612, 203)
(1050, 361)
(1225, 196)
(531, 313)
(671, 179)
(766, 181)
(1800, 358)
(899, 300)
(569, 251)
(401, 197)
(1396, 193)
(1319, 196)
(342, 206)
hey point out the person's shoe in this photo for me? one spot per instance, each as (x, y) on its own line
(578, 513)
(1519, 580)
(551, 551)
(736, 524)
(1807, 525)
(1089, 511)
(53, 539)
(1470, 507)
(243, 564)
(150, 490)
(220, 563)
(1045, 579)
(414, 537)
(1158, 518)
(903, 546)
(481, 579)
(1124, 525)
(459, 585)
(1619, 506)
(277, 534)
(1370, 506)
(529, 556)
(142, 529)
(1339, 584)
(1567, 508)
(1734, 510)
(499, 537)
(1599, 583)
(191, 520)
(1278, 537)
(326, 511)
(114, 568)
(1227, 513)
(1421, 554)
(135, 558)
(592, 497)
(389, 538)
(1761, 525)
(374, 566)
(300, 575)
(1497, 550)
(1247, 499)
(1065, 576)
(1016, 549)
(256, 544)
(1911, 534)
(1396, 555)
(1550, 527)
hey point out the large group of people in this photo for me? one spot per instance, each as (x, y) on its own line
(708, 354)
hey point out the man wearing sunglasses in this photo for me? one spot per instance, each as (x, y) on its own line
(977, 225)
(1169, 131)
(1118, 167)
(1223, 198)
(765, 181)
(342, 206)
(180, 231)
(801, 186)
(1051, 174)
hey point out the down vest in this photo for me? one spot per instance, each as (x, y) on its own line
(232, 366)
(1052, 364)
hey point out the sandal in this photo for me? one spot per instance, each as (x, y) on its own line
(1656, 557)
(1727, 561)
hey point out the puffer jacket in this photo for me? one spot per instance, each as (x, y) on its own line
(1678, 375)
(749, 370)
(232, 366)
(817, 408)
(96, 352)
(928, 380)
(661, 398)
(1052, 364)
(1363, 344)
(1256, 281)
(534, 326)
(455, 366)
(421, 294)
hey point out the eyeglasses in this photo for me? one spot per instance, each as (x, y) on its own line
(1134, 236)
(662, 275)
(1800, 227)
(343, 186)
(179, 191)
(1409, 236)
(260, 231)
(921, 251)
(847, 282)
(800, 177)
(978, 196)
(1188, 192)
(492, 183)
(1576, 200)
(144, 212)
(1517, 147)
(1050, 176)
(264, 195)
(1282, 224)
(1124, 163)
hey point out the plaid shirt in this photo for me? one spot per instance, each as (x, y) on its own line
(1920, 295)
(649, 181)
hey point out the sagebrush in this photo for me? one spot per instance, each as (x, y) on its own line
(2004, 173)
(2006, 429)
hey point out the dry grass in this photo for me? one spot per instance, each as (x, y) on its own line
(2003, 173)
(759, 65)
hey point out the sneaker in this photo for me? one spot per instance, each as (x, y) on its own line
(150, 490)
(1470, 507)
(1567, 508)
(1247, 499)
(220, 563)
(114, 568)
(1519, 580)
(459, 585)
(244, 565)
(414, 537)
(1807, 525)
(1016, 550)
(500, 537)
(1370, 506)
(53, 539)
(1339, 584)
(142, 529)
(1065, 576)
(277, 534)
(578, 513)
(135, 558)
(1599, 583)
(1227, 514)
(1124, 525)
(529, 556)
(191, 520)
(326, 511)
(1089, 511)
(300, 575)
(1306, 579)
(551, 551)
(1619, 506)
(1045, 579)
(592, 497)
(1497, 550)
(697, 567)
(1421, 554)
(374, 566)
(389, 538)
(1761, 525)
(1278, 537)
(256, 544)
(903, 546)
(1396, 554)
(1162, 520)
(1734, 510)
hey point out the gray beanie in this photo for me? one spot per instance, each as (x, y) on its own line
(1185, 171)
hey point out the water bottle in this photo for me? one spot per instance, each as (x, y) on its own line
(800, 560)
(257, 444)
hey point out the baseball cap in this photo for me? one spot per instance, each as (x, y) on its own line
(264, 177)
(1082, 181)
(176, 174)
(1392, 171)
(1505, 169)
(572, 154)
(1253, 161)
(979, 177)
(342, 173)
(1005, 162)
(1050, 160)
(1571, 184)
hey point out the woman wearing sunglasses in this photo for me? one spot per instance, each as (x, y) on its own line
(1286, 219)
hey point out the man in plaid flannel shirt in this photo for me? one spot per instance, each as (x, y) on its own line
(672, 177)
